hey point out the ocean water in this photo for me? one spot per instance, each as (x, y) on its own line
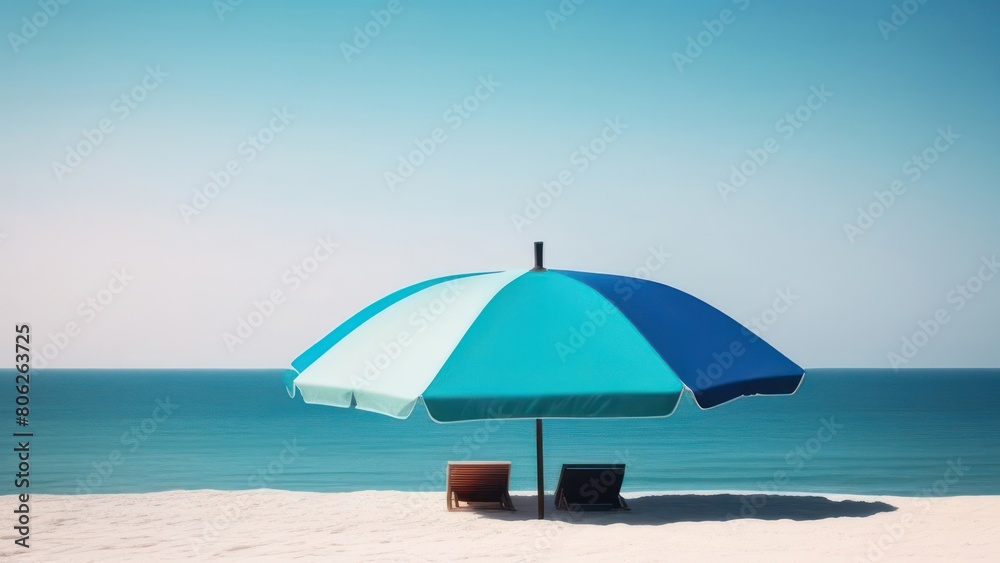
(916, 432)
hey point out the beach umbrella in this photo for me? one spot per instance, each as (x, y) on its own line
(538, 344)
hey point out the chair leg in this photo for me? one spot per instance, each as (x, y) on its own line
(561, 503)
(507, 503)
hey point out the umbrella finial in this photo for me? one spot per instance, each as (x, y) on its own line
(538, 258)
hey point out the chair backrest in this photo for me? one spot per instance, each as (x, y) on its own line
(594, 484)
(478, 480)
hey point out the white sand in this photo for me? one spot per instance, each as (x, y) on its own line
(395, 526)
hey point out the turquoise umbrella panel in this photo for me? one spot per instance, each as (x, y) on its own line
(548, 346)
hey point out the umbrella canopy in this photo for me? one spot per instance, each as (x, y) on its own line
(538, 344)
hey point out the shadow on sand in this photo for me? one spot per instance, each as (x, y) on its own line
(665, 509)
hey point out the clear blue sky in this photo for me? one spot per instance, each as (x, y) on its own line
(546, 86)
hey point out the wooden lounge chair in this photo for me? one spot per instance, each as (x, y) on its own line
(591, 486)
(479, 484)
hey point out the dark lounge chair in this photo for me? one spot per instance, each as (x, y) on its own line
(591, 486)
(479, 484)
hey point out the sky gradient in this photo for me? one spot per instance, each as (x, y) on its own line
(613, 120)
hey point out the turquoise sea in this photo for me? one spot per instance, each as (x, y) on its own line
(915, 432)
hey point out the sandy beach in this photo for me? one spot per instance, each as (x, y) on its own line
(399, 526)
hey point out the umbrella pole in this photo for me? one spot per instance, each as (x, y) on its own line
(538, 422)
(541, 473)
